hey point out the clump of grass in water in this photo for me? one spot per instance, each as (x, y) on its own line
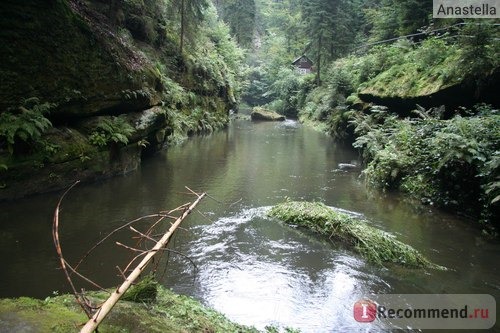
(373, 244)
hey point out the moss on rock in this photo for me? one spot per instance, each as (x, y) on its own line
(169, 312)
(374, 244)
(94, 66)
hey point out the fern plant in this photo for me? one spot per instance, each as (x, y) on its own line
(111, 130)
(26, 124)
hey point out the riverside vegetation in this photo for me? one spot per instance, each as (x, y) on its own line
(421, 108)
(156, 310)
(147, 307)
(443, 155)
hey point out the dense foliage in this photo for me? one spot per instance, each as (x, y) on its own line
(21, 130)
(114, 130)
(453, 163)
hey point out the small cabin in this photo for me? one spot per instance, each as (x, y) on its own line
(303, 65)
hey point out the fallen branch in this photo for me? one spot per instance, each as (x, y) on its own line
(106, 307)
(57, 243)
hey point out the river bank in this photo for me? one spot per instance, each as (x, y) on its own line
(425, 125)
(168, 312)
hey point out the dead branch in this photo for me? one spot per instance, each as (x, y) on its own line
(106, 307)
(131, 248)
(83, 277)
(62, 261)
(133, 260)
(143, 235)
(112, 233)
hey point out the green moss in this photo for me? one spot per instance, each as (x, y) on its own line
(86, 64)
(373, 244)
(30, 315)
(168, 313)
(422, 70)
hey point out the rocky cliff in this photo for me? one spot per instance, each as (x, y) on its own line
(89, 87)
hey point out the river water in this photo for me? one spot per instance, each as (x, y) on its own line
(254, 269)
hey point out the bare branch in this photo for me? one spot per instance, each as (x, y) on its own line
(62, 261)
(143, 235)
(131, 248)
(94, 322)
(84, 277)
(147, 255)
(112, 233)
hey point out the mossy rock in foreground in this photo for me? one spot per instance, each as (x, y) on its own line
(169, 312)
(373, 244)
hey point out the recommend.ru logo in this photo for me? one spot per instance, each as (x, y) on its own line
(428, 311)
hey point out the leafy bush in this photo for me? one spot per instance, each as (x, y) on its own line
(318, 104)
(113, 130)
(286, 88)
(452, 163)
(25, 125)
(340, 124)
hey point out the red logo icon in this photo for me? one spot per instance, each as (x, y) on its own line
(365, 311)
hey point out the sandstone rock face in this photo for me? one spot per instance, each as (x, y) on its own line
(106, 91)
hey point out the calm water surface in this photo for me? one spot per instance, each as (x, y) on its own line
(252, 268)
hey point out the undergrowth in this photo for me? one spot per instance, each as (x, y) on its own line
(168, 312)
(452, 163)
(21, 129)
(114, 130)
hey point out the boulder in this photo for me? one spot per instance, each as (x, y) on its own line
(260, 113)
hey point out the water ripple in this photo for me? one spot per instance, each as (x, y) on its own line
(260, 272)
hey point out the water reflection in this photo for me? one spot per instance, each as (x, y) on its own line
(256, 270)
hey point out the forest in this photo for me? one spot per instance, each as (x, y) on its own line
(400, 86)
(135, 75)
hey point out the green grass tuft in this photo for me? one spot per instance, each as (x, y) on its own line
(375, 245)
(145, 291)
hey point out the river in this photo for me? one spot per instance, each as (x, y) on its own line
(254, 269)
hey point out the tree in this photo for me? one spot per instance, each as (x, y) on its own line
(240, 16)
(191, 12)
(392, 18)
(319, 17)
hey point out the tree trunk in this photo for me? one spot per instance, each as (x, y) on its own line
(318, 67)
(183, 25)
